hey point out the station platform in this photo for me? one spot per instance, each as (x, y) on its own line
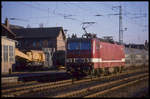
(35, 76)
(23, 74)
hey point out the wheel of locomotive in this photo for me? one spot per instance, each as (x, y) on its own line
(87, 71)
(77, 73)
(91, 71)
(73, 72)
(111, 70)
(106, 71)
(99, 72)
(80, 72)
(94, 72)
(120, 69)
(115, 70)
(102, 71)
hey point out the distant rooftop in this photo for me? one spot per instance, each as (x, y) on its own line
(50, 32)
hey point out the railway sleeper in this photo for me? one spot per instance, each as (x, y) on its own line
(93, 89)
(114, 88)
(46, 87)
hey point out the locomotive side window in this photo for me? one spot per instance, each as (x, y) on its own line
(73, 45)
(85, 45)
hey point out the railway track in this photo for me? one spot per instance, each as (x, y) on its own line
(30, 88)
(132, 81)
(101, 89)
(81, 89)
(99, 94)
(22, 83)
(18, 84)
(53, 85)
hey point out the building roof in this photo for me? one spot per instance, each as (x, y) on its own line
(15, 26)
(4, 28)
(11, 26)
(50, 32)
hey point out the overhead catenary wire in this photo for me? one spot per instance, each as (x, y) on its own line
(80, 5)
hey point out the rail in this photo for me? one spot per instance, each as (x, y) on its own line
(97, 87)
(39, 87)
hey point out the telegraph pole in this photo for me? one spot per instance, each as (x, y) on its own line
(120, 24)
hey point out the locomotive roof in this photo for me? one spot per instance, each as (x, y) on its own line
(78, 39)
(85, 39)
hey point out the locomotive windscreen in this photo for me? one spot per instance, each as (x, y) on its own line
(79, 45)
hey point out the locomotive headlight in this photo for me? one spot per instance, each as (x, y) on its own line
(123, 60)
(86, 59)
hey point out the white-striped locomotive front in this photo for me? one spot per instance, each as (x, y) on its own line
(93, 60)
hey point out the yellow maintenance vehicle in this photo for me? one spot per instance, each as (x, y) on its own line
(29, 58)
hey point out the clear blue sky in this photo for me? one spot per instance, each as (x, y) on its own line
(51, 14)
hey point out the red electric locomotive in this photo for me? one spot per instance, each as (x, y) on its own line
(93, 56)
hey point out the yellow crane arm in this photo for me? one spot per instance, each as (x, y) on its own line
(21, 54)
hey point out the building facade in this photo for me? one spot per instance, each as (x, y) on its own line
(8, 44)
(49, 40)
(38, 38)
(8, 54)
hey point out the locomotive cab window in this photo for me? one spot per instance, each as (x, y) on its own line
(73, 46)
(85, 45)
(76, 45)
